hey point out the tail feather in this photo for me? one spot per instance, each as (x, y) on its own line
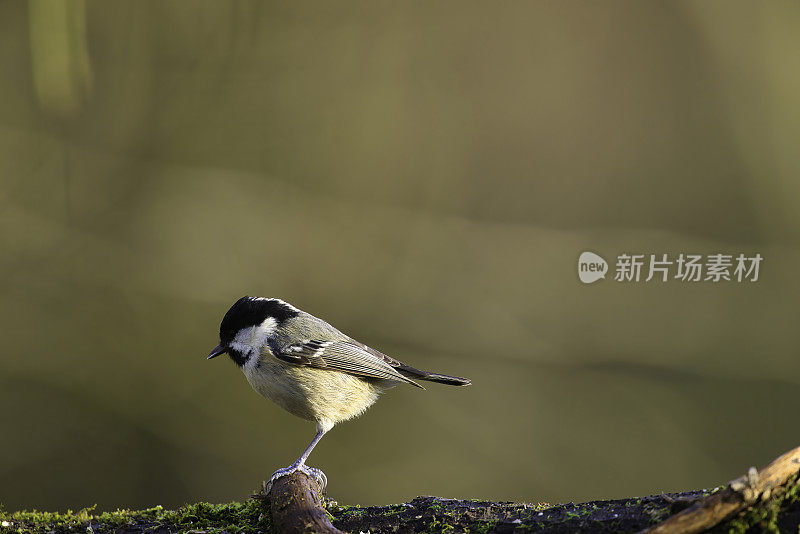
(447, 379)
(411, 372)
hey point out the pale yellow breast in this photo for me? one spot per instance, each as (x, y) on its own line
(313, 394)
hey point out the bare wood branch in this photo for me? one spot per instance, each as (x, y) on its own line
(740, 494)
(297, 506)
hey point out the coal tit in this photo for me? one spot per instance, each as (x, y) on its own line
(309, 368)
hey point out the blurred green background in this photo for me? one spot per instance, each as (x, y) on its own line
(423, 176)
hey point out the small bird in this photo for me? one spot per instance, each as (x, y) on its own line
(309, 368)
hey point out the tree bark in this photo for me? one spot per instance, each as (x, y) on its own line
(761, 501)
(775, 479)
(704, 510)
(297, 506)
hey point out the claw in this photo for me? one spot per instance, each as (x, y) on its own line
(314, 473)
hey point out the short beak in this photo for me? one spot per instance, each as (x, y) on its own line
(219, 349)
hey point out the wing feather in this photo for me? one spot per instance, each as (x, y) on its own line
(348, 356)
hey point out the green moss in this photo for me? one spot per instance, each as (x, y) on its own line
(764, 516)
(484, 528)
(235, 517)
(435, 506)
(657, 513)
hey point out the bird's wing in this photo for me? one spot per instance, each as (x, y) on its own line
(347, 356)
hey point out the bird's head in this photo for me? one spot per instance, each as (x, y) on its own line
(248, 324)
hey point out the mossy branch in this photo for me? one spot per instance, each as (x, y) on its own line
(766, 502)
(765, 486)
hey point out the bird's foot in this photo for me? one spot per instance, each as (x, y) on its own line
(314, 473)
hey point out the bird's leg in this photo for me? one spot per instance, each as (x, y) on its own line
(300, 463)
(303, 457)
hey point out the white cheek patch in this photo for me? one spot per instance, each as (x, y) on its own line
(266, 329)
(253, 338)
